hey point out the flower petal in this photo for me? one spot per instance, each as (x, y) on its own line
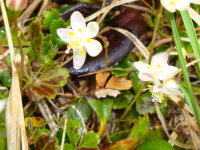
(79, 59)
(92, 29)
(166, 4)
(182, 4)
(142, 67)
(93, 48)
(146, 77)
(77, 21)
(64, 34)
(195, 1)
(160, 58)
(166, 72)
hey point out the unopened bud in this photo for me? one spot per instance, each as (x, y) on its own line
(17, 60)
(16, 5)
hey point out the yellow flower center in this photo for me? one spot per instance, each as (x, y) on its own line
(71, 33)
(76, 42)
(172, 2)
(81, 51)
(88, 40)
(80, 30)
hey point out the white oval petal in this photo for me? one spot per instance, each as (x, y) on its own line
(166, 4)
(166, 72)
(92, 29)
(182, 5)
(78, 60)
(142, 67)
(146, 76)
(195, 1)
(160, 58)
(93, 48)
(77, 21)
(64, 34)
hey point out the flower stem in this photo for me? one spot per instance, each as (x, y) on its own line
(183, 66)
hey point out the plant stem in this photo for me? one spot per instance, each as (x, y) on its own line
(184, 69)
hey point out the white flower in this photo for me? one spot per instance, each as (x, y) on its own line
(172, 5)
(79, 39)
(158, 90)
(157, 70)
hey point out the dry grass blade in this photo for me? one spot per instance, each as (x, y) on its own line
(165, 129)
(107, 9)
(135, 40)
(16, 133)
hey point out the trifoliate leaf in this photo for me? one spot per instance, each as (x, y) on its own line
(155, 144)
(102, 108)
(122, 100)
(123, 65)
(74, 131)
(78, 108)
(50, 16)
(90, 140)
(68, 146)
(46, 141)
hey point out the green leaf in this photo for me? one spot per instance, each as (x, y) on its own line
(3, 143)
(44, 91)
(140, 128)
(68, 146)
(46, 141)
(50, 16)
(3, 38)
(155, 144)
(55, 78)
(74, 131)
(102, 108)
(36, 35)
(82, 107)
(46, 85)
(6, 78)
(123, 99)
(90, 140)
(145, 105)
(123, 65)
(53, 28)
(136, 82)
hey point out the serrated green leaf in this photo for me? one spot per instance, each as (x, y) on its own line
(68, 146)
(4, 41)
(6, 78)
(43, 91)
(60, 23)
(55, 78)
(82, 107)
(50, 16)
(123, 99)
(46, 141)
(102, 108)
(90, 140)
(145, 105)
(136, 82)
(155, 144)
(74, 131)
(123, 65)
(36, 35)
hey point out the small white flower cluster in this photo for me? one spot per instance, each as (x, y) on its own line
(158, 72)
(172, 5)
(79, 39)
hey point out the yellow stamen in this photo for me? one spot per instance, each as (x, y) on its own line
(71, 33)
(80, 30)
(88, 40)
(81, 51)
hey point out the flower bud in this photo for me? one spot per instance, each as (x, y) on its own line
(16, 5)
(17, 60)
